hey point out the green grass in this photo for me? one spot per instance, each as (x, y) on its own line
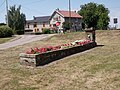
(3, 40)
(95, 69)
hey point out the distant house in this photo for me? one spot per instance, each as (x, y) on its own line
(64, 16)
(37, 24)
(54, 21)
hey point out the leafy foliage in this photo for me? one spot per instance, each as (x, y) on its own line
(2, 24)
(16, 19)
(66, 26)
(5, 31)
(46, 31)
(95, 15)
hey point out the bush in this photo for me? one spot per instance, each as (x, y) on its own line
(5, 31)
(38, 33)
(66, 26)
(46, 31)
(2, 24)
(19, 32)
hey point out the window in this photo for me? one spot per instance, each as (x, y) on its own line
(35, 25)
(54, 25)
(59, 18)
(43, 24)
(28, 26)
(50, 25)
(37, 29)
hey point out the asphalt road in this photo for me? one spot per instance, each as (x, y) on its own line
(23, 39)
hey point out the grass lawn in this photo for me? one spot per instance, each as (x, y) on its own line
(3, 40)
(95, 69)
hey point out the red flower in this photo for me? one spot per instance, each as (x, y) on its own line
(49, 48)
(31, 51)
(42, 50)
(36, 49)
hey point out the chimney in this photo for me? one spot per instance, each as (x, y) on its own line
(57, 9)
(34, 17)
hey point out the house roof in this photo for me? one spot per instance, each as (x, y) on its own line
(42, 19)
(39, 19)
(30, 21)
(63, 13)
(66, 14)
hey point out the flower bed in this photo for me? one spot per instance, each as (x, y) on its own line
(42, 56)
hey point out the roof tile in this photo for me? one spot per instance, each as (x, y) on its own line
(66, 14)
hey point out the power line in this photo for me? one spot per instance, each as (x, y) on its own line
(69, 1)
(7, 20)
(2, 10)
(2, 15)
(2, 3)
(33, 10)
(34, 2)
(36, 11)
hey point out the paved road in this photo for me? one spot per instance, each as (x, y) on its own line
(23, 40)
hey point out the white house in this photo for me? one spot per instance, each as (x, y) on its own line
(54, 21)
(60, 16)
(37, 24)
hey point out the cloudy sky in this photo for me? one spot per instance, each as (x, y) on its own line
(45, 7)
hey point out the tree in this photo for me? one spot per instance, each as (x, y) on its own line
(2, 24)
(66, 26)
(16, 19)
(94, 15)
(103, 20)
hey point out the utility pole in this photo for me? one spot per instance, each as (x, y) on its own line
(70, 13)
(7, 12)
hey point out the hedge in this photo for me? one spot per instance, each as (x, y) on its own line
(46, 31)
(19, 32)
(5, 31)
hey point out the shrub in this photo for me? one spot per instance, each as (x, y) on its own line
(2, 24)
(66, 26)
(19, 32)
(5, 31)
(46, 31)
(37, 33)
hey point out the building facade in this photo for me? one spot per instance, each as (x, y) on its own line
(55, 21)
(37, 24)
(65, 16)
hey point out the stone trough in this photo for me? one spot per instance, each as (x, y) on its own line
(45, 58)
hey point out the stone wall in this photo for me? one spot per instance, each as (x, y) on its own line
(45, 58)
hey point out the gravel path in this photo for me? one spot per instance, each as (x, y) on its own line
(23, 40)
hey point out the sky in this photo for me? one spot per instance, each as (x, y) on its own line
(46, 7)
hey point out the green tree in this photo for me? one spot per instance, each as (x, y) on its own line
(103, 20)
(2, 24)
(66, 26)
(94, 15)
(16, 19)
